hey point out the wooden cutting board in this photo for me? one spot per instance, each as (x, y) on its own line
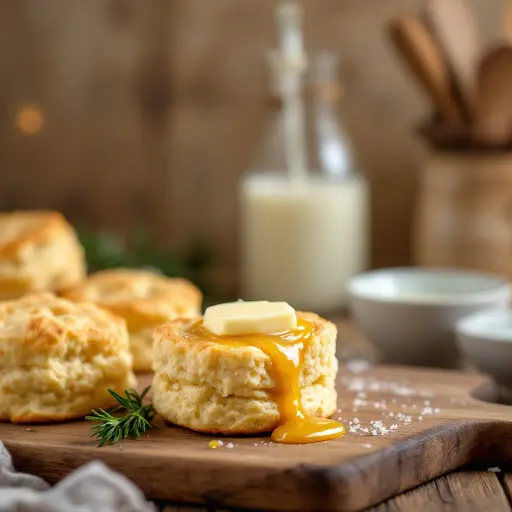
(431, 423)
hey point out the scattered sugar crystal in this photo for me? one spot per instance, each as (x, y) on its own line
(356, 420)
(374, 432)
(393, 427)
(366, 445)
(437, 411)
(427, 410)
(230, 445)
(420, 418)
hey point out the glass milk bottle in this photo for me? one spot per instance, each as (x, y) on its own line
(304, 207)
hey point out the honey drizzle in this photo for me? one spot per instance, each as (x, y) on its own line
(286, 352)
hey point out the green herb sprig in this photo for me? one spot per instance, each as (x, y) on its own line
(112, 429)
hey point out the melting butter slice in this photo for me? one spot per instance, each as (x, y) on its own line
(258, 317)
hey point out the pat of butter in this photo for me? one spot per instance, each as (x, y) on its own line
(258, 317)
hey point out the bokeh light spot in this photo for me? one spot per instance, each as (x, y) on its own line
(30, 119)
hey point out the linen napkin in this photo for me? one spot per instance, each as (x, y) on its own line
(91, 488)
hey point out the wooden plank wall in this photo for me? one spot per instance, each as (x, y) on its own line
(153, 107)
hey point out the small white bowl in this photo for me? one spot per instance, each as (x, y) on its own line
(486, 340)
(410, 313)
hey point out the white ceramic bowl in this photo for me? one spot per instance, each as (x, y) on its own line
(486, 340)
(410, 313)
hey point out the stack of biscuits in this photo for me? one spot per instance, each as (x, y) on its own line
(66, 338)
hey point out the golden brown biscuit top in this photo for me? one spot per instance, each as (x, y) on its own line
(183, 353)
(24, 227)
(179, 331)
(45, 325)
(141, 297)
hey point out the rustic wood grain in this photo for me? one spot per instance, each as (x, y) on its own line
(153, 109)
(506, 480)
(462, 491)
(176, 464)
(468, 491)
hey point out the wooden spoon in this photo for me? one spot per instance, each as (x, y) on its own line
(420, 52)
(454, 27)
(494, 113)
(506, 21)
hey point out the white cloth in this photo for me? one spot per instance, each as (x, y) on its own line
(91, 488)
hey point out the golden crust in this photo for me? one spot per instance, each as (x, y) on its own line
(58, 358)
(41, 325)
(176, 332)
(212, 387)
(39, 251)
(20, 228)
(144, 299)
(141, 297)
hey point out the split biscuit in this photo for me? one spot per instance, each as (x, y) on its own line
(225, 389)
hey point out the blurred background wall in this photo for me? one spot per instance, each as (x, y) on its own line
(125, 112)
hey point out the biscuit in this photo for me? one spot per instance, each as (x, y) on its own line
(214, 388)
(39, 251)
(58, 358)
(144, 299)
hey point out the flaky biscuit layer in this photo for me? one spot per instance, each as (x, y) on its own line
(212, 387)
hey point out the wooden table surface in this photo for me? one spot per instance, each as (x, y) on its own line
(467, 491)
(473, 489)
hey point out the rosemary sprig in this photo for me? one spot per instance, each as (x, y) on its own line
(112, 429)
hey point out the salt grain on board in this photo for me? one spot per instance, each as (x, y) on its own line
(357, 365)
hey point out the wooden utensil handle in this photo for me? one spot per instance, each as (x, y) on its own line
(416, 47)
